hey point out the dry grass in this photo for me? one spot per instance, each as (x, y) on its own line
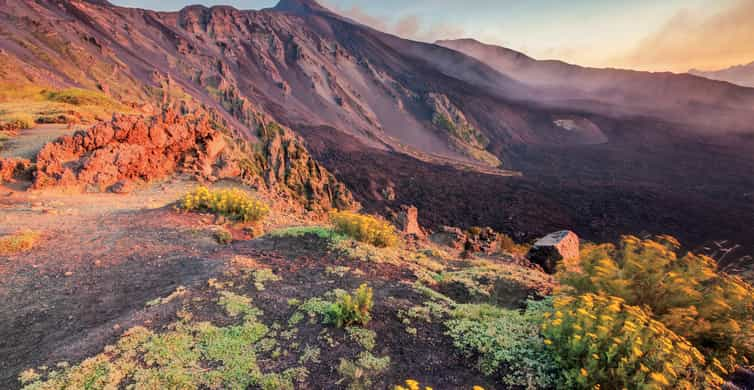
(30, 104)
(18, 242)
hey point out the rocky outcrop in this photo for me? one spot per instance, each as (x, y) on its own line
(116, 155)
(286, 163)
(484, 240)
(407, 221)
(553, 248)
(12, 168)
(467, 139)
(132, 148)
(449, 236)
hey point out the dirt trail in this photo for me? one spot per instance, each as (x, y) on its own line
(29, 142)
(100, 259)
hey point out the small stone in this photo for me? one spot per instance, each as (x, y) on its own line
(122, 187)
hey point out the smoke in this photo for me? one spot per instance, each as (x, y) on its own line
(691, 39)
(408, 26)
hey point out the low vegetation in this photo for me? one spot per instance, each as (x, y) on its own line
(351, 309)
(24, 106)
(507, 245)
(712, 310)
(636, 315)
(80, 97)
(360, 374)
(598, 340)
(323, 232)
(234, 204)
(191, 355)
(505, 343)
(364, 228)
(19, 242)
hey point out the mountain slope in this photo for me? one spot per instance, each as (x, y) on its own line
(701, 104)
(740, 74)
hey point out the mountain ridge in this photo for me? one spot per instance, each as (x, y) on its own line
(742, 75)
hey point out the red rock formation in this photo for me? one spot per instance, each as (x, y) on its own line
(11, 168)
(131, 148)
(114, 156)
(407, 220)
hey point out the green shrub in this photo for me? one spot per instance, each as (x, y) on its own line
(300, 231)
(602, 342)
(364, 337)
(364, 228)
(505, 343)
(350, 309)
(714, 311)
(232, 203)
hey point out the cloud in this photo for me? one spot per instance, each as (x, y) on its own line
(408, 26)
(691, 39)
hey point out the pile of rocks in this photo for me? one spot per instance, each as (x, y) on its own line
(112, 155)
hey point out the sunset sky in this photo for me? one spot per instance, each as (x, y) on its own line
(673, 35)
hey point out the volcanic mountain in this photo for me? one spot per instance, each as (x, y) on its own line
(604, 152)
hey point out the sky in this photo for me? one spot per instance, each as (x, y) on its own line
(665, 35)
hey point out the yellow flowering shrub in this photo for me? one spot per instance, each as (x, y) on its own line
(602, 342)
(713, 310)
(364, 228)
(412, 384)
(234, 204)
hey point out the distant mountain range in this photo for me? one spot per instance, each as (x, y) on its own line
(602, 151)
(740, 74)
(669, 96)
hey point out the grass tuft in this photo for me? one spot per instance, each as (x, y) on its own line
(23, 241)
(300, 231)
